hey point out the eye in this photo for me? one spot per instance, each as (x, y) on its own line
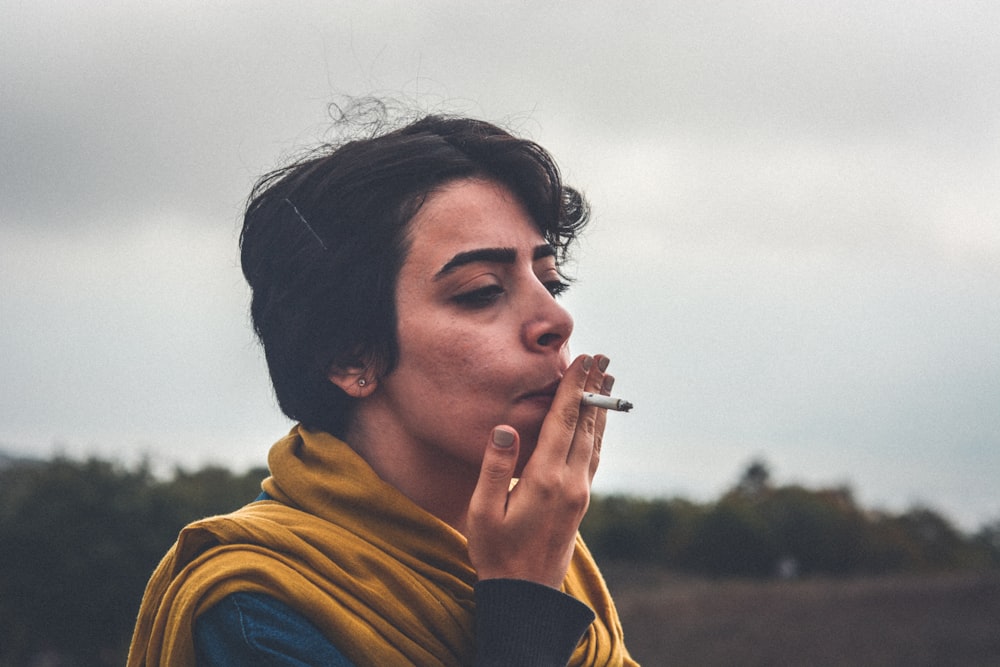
(556, 287)
(479, 298)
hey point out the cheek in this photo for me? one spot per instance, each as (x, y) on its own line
(442, 357)
(455, 357)
(471, 370)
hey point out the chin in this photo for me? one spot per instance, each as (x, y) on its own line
(527, 433)
(524, 454)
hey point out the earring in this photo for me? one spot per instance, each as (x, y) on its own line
(362, 382)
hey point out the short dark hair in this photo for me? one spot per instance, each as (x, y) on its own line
(324, 238)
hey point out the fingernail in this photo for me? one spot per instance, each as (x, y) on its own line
(588, 361)
(502, 439)
(609, 382)
(603, 364)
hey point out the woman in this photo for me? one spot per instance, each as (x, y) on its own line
(404, 292)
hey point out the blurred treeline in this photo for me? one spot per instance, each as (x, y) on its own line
(759, 530)
(79, 539)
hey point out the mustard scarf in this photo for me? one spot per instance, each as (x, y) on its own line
(385, 581)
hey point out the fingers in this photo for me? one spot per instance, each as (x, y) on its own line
(555, 440)
(599, 423)
(489, 500)
(584, 436)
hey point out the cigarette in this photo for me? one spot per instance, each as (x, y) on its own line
(607, 402)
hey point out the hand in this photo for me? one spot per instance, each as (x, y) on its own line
(530, 532)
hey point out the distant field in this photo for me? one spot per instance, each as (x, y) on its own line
(939, 620)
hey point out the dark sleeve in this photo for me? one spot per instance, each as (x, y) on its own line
(255, 629)
(523, 624)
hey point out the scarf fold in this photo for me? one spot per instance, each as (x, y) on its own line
(385, 581)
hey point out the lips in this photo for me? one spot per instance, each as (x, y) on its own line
(546, 393)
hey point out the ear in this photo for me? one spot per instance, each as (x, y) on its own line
(356, 381)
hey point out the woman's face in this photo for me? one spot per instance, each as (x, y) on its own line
(482, 340)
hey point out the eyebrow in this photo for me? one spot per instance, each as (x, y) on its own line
(493, 256)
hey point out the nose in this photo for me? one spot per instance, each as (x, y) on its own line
(549, 325)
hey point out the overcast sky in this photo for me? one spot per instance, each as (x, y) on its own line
(795, 253)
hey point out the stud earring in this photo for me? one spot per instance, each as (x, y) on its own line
(362, 382)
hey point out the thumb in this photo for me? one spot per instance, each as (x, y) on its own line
(499, 462)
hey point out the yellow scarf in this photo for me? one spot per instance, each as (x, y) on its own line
(385, 581)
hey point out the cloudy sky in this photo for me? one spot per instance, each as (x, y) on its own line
(795, 254)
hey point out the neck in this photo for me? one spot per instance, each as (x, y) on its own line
(439, 484)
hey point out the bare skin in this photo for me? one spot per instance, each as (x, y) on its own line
(484, 389)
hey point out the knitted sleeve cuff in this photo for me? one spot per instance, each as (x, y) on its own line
(521, 623)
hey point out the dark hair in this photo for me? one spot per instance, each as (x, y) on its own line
(324, 238)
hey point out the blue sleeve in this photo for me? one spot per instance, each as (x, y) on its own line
(255, 629)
